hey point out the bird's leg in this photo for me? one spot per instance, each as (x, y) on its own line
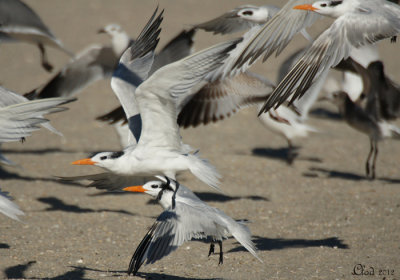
(290, 154)
(374, 161)
(22, 140)
(369, 157)
(221, 254)
(45, 63)
(212, 246)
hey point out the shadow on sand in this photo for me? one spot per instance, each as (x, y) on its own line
(283, 154)
(56, 204)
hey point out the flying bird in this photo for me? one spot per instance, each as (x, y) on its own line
(18, 22)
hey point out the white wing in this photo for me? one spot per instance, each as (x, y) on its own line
(349, 31)
(133, 68)
(20, 120)
(221, 99)
(9, 208)
(164, 92)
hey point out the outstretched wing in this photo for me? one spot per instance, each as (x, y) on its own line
(334, 44)
(167, 89)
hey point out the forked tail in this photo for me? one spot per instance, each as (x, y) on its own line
(205, 171)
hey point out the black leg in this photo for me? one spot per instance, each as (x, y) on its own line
(45, 63)
(221, 254)
(369, 157)
(211, 249)
(374, 160)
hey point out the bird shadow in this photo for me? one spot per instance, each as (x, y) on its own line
(18, 272)
(316, 171)
(269, 244)
(37, 151)
(322, 113)
(4, 246)
(283, 154)
(8, 175)
(56, 204)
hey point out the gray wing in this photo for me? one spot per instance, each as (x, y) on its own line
(9, 208)
(221, 99)
(108, 181)
(275, 34)
(349, 31)
(133, 69)
(16, 14)
(178, 48)
(93, 64)
(20, 120)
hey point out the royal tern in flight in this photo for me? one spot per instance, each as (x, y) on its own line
(185, 217)
(152, 109)
(18, 22)
(357, 23)
(94, 63)
(9, 208)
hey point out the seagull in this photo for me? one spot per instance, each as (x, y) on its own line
(357, 23)
(18, 22)
(19, 117)
(9, 208)
(239, 19)
(94, 63)
(185, 217)
(365, 122)
(152, 108)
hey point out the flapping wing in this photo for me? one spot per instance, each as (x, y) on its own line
(348, 31)
(275, 35)
(168, 88)
(172, 228)
(9, 208)
(223, 98)
(93, 64)
(8, 98)
(20, 120)
(108, 181)
(133, 68)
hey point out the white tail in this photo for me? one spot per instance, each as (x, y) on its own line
(205, 171)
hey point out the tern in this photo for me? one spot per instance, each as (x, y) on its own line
(357, 23)
(9, 208)
(20, 23)
(152, 108)
(185, 217)
(94, 63)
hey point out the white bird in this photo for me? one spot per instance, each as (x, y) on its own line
(185, 217)
(239, 19)
(357, 23)
(18, 22)
(152, 110)
(9, 208)
(95, 63)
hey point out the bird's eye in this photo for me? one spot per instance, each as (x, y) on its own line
(154, 186)
(248, 13)
(103, 158)
(323, 5)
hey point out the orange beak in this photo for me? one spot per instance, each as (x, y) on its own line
(134, 189)
(85, 161)
(306, 7)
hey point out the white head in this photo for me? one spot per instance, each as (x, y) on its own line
(331, 8)
(164, 191)
(119, 38)
(257, 14)
(103, 159)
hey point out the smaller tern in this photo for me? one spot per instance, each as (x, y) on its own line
(185, 217)
(357, 23)
(18, 22)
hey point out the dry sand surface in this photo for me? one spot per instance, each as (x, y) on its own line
(316, 219)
